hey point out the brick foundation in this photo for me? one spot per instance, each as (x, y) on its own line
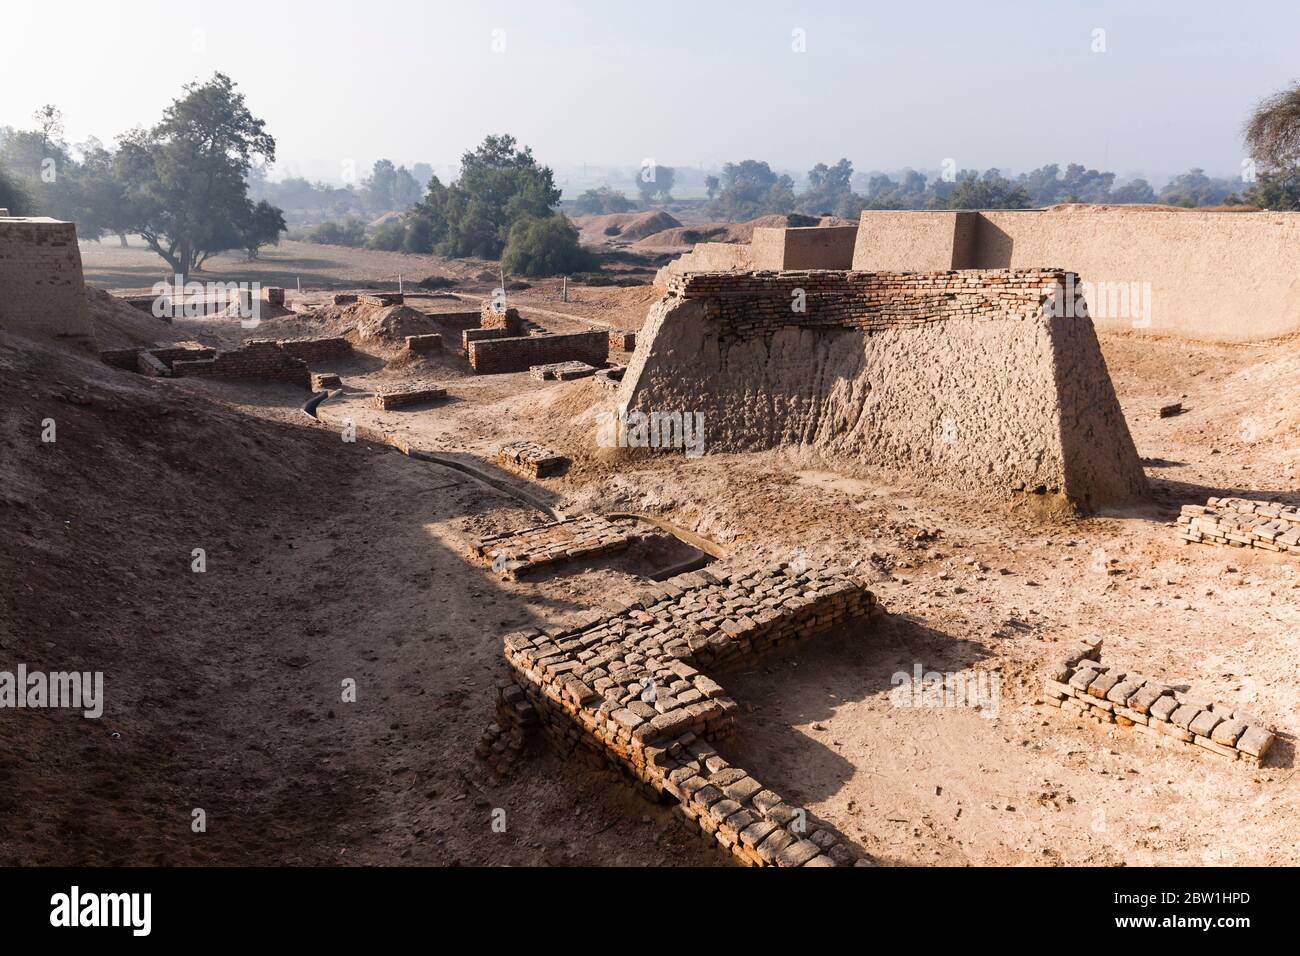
(520, 552)
(317, 350)
(424, 344)
(1080, 683)
(628, 687)
(263, 360)
(509, 320)
(399, 396)
(530, 459)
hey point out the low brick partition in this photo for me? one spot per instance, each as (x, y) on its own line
(170, 355)
(323, 380)
(520, 353)
(508, 319)
(610, 378)
(557, 542)
(389, 397)
(146, 363)
(1079, 682)
(1242, 523)
(454, 321)
(620, 341)
(345, 298)
(273, 296)
(478, 335)
(562, 371)
(260, 359)
(530, 459)
(628, 687)
(383, 299)
(424, 344)
(317, 350)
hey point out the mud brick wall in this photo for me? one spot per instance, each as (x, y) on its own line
(455, 321)
(317, 350)
(42, 289)
(627, 687)
(620, 341)
(530, 459)
(423, 344)
(759, 304)
(478, 335)
(518, 354)
(1080, 683)
(519, 552)
(257, 359)
(169, 356)
(1242, 523)
(384, 299)
(120, 358)
(490, 318)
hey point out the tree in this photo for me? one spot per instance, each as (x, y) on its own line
(186, 177)
(500, 184)
(1273, 139)
(545, 246)
(600, 202)
(750, 189)
(12, 195)
(712, 185)
(1194, 188)
(828, 187)
(1136, 191)
(990, 191)
(655, 180)
(262, 227)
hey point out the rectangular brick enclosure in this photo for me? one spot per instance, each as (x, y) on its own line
(493, 356)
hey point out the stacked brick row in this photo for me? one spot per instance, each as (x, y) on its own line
(381, 299)
(502, 743)
(477, 335)
(557, 542)
(626, 687)
(389, 397)
(562, 371)
(518, 354)
(1079, 682)
(530, 459)
(1242, 523)
(622, 341)
(758, 304)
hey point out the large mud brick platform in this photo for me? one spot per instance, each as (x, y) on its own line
(987, 381)
(629, 687)
(557, 542)
(1079, 682)
(42, 289)
(1242, 523)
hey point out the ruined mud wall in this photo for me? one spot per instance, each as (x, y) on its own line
(968, 378)
(511, 354)
(1213, 276)
(42, 289)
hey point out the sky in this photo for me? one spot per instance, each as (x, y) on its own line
(1136, 87)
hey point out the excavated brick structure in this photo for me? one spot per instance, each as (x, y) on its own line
(629, 687)
(42, 288)
(982, 380)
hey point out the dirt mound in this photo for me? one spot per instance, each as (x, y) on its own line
(738, 232)
(624, 226)
(370, 324)
(119, 325)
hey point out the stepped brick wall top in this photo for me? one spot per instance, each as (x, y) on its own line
(629, 687)
(257, 359)
(756, 304)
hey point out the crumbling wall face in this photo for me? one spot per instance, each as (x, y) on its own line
(42, 289)
(257, 359)
(963, 378)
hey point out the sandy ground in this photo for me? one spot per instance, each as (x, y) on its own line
(330, 561)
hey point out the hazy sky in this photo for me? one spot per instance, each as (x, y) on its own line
(1008, 83)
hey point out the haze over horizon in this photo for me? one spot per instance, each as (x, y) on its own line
(685, 84)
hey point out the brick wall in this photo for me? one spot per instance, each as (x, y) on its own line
(263, 360)
(518, 354)
(42, 289)
(317, 350)
(477, 335)
(509, 320)
(757, 304)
